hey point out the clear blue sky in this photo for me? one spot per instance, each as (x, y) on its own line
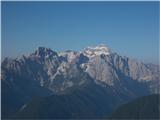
(128, 28)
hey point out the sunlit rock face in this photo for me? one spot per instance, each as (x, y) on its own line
(45, 72)
(58, 72)
(96, 51)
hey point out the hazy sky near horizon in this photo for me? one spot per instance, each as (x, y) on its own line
(128, 28)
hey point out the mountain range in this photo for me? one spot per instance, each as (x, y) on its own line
(89, 83)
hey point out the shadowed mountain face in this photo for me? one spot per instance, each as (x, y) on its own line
(91, 101)
(147, 107)
(45, 72)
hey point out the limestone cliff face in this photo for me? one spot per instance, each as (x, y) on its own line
(58, 72)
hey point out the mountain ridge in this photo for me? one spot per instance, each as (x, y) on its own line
(101, 67)
(60, 73)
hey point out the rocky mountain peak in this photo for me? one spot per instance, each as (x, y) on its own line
(44, 52)
(70, 55)
(98, 62)
(97, 50)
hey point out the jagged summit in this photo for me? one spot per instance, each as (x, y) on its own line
(45, 72)
(70, 55)
(101, 46)
(97, 50)
(91, 51)
(44, 52)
